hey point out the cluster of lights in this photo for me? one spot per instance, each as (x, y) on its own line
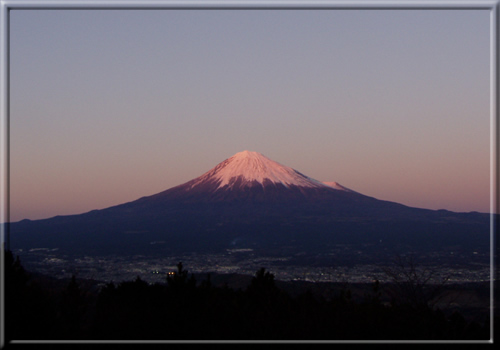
(171, 273)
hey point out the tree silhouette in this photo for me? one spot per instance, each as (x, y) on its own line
(72, 308)
(182, 310)
(414, 285)
(179, 279)
(29, 312)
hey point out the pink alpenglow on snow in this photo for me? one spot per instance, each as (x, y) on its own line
(337, 186)
(254, 167)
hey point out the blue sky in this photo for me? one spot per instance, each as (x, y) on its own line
(109, 106)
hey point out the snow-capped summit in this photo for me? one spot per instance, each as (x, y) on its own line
(251, 176)
(246, 169)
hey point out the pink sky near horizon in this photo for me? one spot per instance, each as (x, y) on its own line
(110, 106)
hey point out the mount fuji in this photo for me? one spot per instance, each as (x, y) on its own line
(251, 201)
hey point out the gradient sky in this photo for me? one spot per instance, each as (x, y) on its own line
(108, 106)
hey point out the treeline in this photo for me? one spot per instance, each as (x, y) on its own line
(184, 309)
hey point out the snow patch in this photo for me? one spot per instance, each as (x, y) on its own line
(337, 186)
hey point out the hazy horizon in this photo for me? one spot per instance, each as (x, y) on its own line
(107, 106)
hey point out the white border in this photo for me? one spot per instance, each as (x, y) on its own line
(244, 4)
(6, 6)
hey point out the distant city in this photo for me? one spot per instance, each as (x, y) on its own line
(344, 264)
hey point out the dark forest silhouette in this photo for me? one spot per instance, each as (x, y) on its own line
(183, 309)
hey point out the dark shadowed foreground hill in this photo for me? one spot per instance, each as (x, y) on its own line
(183, 308)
